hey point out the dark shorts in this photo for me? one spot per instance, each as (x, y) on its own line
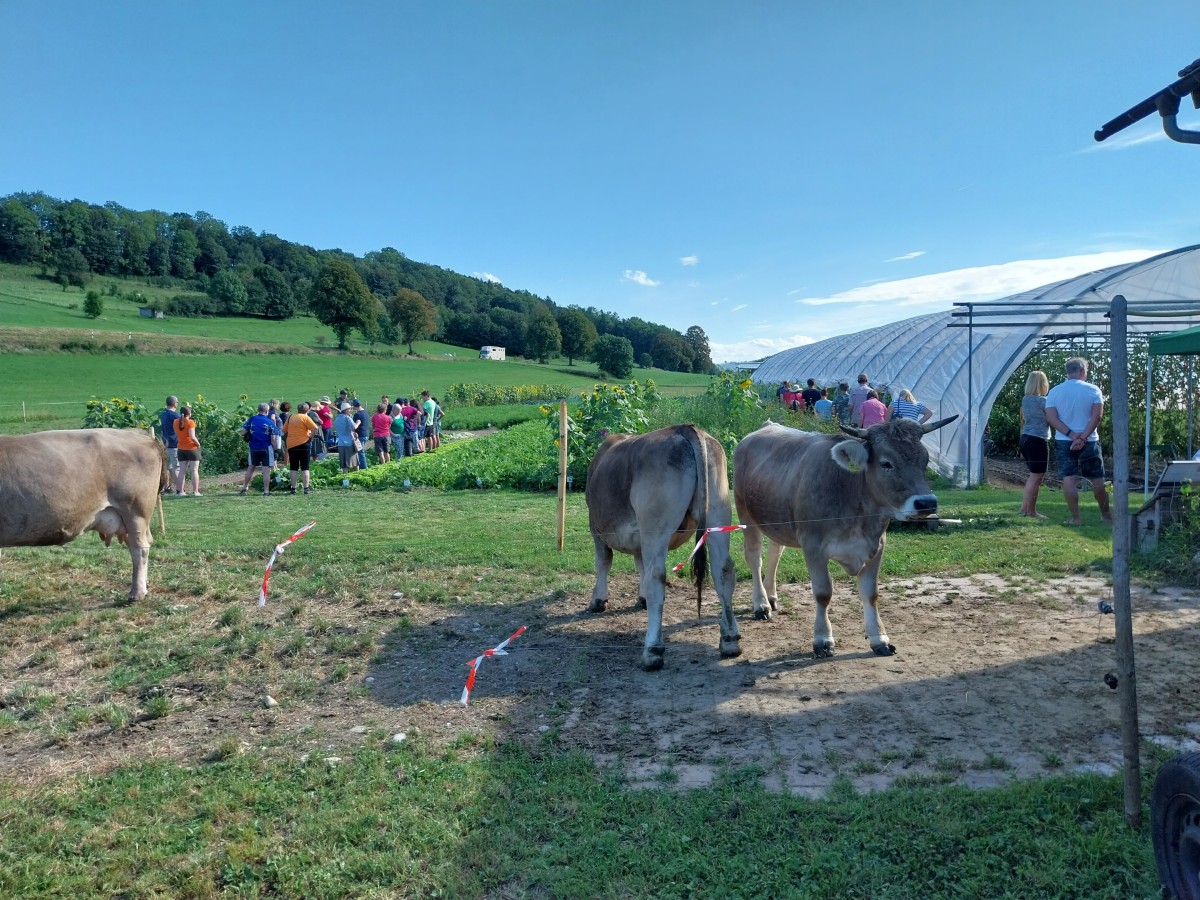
(1086, 462)
(260, 457)
(298, 458)
(1035, 452)
(382, 444)
(189, 456)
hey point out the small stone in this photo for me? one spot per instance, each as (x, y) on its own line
(269, 702)
(332, 761)
(543, 728)
(370, 679)
(359, 729)
(399, 738)
(398, 595)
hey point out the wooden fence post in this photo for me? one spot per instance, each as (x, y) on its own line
(562, 473)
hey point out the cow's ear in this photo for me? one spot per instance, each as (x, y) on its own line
(850, 455)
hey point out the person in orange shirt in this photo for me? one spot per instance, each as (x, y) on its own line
(297, 432)
(189, 452)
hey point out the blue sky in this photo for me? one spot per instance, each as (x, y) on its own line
(775, 172)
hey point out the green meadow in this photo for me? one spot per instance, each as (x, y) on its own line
(122, 354)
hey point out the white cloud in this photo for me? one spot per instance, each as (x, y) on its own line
(637, 276)
(754, 348)
(940, 290)
(487, 276)
(902, 257)
(689, 260)
(740, 306)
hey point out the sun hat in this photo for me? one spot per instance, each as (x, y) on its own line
(344, 407)
(325, 399)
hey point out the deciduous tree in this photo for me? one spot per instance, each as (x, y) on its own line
(543, 340)
(340, 299)
(413, 315)
(697, 340)
(578, 334)
(614, 355)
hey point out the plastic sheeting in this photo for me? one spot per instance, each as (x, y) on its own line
(962, 370)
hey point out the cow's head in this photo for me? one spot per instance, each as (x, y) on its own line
(892, 459)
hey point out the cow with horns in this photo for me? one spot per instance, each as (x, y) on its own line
(650, 493)
(833, 498)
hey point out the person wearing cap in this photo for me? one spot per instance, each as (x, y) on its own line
(343, 427)
(362, 427)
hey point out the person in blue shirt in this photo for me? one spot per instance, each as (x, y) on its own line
(824, 407)
(262, 429)
(166, 430)
(344, 428)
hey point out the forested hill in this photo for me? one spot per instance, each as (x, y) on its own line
(234, 271)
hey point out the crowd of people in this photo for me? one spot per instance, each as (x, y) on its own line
(279, 436)
(860, 406)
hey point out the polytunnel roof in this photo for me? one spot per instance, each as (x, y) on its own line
(955, 369)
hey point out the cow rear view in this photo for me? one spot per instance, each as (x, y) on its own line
(55, 485)
(648, 494)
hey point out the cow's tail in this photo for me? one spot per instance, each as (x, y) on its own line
(700, 511)
(164, 479)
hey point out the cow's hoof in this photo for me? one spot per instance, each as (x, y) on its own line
(774, 601)
(598, 604)
(763, 614)
(884, 649)
(641, 602)
(652, 658)
(823, 649)
(731, 648)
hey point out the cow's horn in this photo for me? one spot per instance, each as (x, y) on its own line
(860, 433)
(934, 426)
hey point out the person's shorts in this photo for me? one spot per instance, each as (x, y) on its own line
(189, 455)
(383, 444)
(260, 458)
(172, 458)
(298, 458)
(1035, 452)
(1086, 462)
(347, 456)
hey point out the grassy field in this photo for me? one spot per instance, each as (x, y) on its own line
(236, 809)
(222, 359)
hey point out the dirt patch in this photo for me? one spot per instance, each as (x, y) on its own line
(994, 679)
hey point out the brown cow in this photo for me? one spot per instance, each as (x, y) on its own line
(55, 485)
(650, 493)
(833, 498)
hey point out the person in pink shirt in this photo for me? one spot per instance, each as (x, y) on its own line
(381, 431)
(872, 411)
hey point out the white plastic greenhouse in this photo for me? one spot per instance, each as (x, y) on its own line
(957, 361)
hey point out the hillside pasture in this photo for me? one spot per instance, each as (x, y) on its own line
(538, 787)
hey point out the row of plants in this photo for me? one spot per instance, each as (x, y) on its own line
(474, 394)
(523, 456)
(218, 430)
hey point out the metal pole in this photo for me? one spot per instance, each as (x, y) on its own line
(970, 389)
(1191, 407)
(1146, 449)
(1127, 684)
(562, 473)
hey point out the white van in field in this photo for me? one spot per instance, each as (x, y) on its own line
(491, 353)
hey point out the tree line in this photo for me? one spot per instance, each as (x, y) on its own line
(383, 295)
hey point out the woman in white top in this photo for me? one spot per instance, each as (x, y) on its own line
(906, 406)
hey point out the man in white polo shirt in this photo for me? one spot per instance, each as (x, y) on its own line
(1073, 410)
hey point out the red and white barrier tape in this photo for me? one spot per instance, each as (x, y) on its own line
(474, 663)
(700, 542)
(279, 548)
